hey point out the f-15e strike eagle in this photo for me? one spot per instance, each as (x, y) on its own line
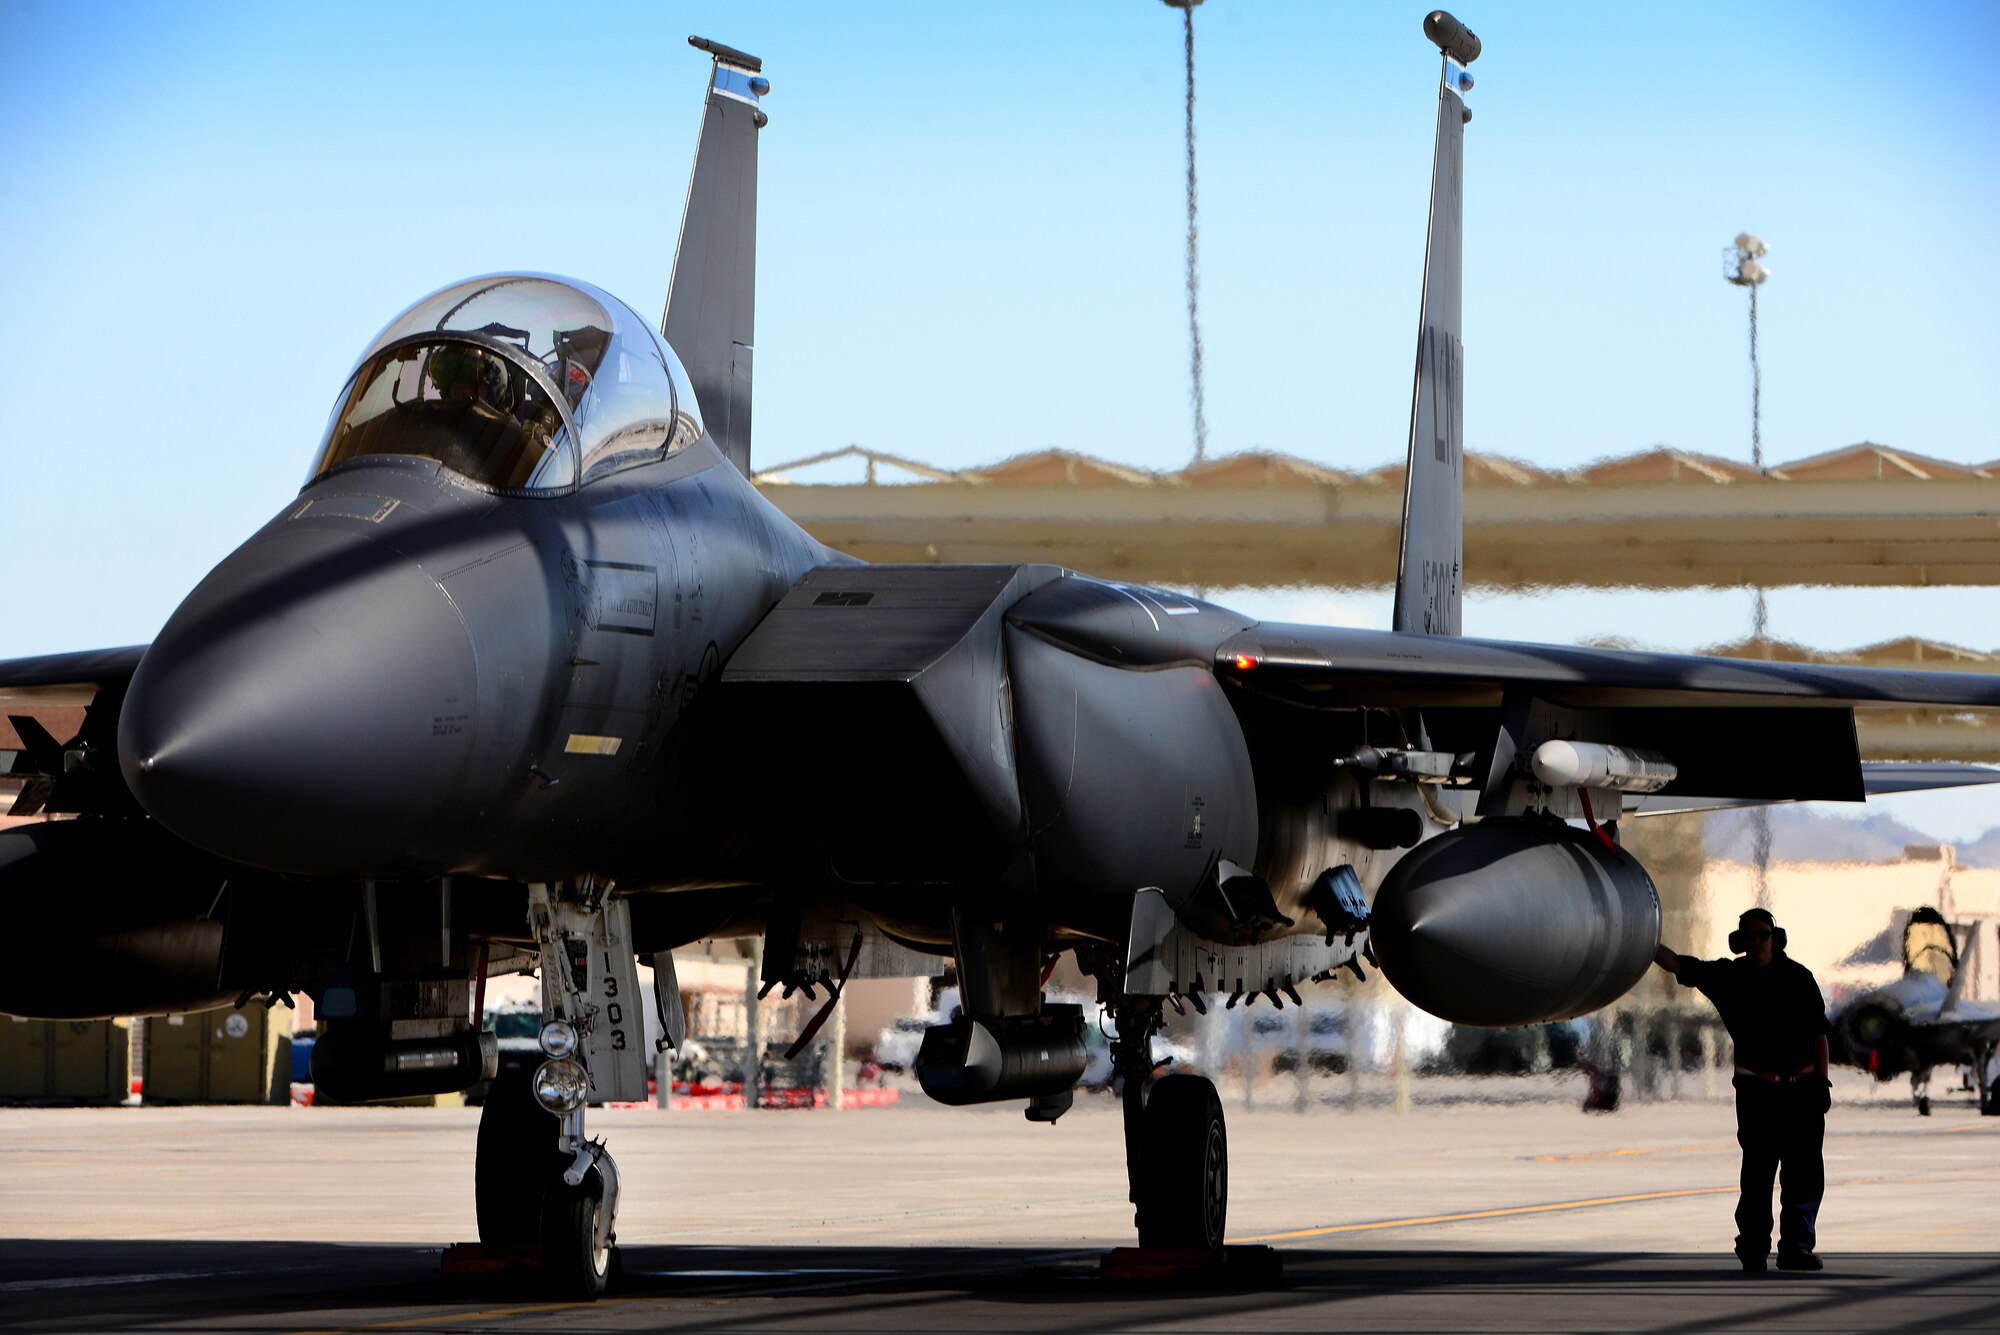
(1922, 1020)
(530, 672)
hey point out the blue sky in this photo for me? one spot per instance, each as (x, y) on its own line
(971, 238)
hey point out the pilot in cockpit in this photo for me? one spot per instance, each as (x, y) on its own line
(491, 376)
(474, 391)
(461, 373)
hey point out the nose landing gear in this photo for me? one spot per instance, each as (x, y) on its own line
(548, 1196)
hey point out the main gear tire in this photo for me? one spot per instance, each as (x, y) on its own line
(1184, 1165)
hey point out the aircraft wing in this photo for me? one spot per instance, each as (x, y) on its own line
(80, 772)
(1329, 665)
(1968, 1021)
(73, 679)
(1738, 731)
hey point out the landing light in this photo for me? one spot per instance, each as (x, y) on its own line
(558, 1038)
(560, 1085)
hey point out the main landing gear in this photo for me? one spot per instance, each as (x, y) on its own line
(548, 1196)
(1176, 1144)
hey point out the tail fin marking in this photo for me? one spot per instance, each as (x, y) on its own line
(1430, 566)
(710, 319)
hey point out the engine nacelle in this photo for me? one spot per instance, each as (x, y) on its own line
(1019, 1057)
(1516, 921)
(1129, 778)
(1875, 1031)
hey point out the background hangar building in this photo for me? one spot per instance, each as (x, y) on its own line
(1662, 519)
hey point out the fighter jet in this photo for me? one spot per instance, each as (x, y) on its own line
(530, 672)
(1922, 1020)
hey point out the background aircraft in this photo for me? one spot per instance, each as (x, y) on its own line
(1922, 1020)
(529, 671)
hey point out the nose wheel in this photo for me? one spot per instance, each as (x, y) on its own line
(548, 1195)
(517, 1162)
(528, 1209)
(578, 1257)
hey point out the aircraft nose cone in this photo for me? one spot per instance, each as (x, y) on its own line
(309, 708)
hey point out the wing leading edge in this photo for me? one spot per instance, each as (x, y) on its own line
(1340, 667)
(52, 681)
(81, 773)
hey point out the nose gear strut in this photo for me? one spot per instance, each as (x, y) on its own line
(547, 1193)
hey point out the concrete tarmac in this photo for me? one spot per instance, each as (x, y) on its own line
(1492, 1205)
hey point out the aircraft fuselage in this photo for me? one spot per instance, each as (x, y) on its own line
(402, 674)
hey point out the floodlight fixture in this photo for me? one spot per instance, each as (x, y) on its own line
(1740, 266)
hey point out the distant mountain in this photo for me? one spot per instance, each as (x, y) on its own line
(1798, 835)
(1983, 851)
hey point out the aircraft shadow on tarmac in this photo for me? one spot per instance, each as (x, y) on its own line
(124, 1286)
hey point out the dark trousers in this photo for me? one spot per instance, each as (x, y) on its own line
(1780, 1125)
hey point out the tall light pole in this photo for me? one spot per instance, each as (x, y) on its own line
(1195, 393)
(1740, 266)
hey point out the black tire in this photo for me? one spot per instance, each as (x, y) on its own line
(1184, 1165)
(573, 1266)
(1923, 1105)
(517, 1161)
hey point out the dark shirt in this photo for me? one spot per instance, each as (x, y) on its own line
(1773, 1014)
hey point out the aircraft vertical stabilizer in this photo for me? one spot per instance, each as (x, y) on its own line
(1430, 569)
(711, 306)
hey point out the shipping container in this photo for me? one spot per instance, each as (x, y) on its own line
(63, 1061)
(221, 1056)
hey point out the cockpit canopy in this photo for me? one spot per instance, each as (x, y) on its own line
(521, 382)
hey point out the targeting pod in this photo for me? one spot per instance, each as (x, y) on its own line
(358, 1062)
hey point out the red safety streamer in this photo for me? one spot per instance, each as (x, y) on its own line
(1583, 796)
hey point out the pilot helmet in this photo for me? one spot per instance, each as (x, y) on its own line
(463, 372)
(455, 370)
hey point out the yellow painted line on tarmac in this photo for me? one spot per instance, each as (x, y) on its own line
(498, 1313)
(1547, 1208)
(1502, 1213)
(442, 1319)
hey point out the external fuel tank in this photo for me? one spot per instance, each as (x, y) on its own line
(1515, 921)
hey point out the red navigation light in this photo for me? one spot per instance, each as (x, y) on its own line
(1244, 662)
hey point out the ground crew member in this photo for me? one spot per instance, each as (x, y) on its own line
(1772, 1008)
